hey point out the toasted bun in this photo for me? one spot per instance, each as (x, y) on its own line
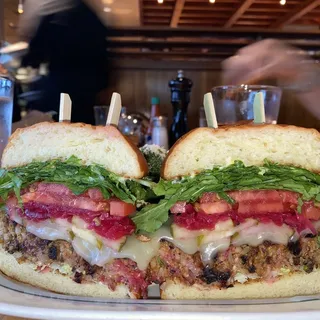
(297, 284)
(105, 146)
(56, 282)
(204, 148)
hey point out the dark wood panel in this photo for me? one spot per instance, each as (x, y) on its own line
(253, 33)
(138, 81)
(233, 10)
(293, 112)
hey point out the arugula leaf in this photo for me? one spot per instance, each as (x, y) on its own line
(73, 174)
(237, 176)
(159, 214)
(154, 156)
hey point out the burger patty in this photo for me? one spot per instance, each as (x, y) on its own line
(264, 262)
(60, 255)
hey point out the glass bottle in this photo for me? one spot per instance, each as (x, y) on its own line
(180, 98)
(160, 132)
(155, 112)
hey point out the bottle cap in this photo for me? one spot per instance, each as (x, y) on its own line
(155, 100)
(180, 74)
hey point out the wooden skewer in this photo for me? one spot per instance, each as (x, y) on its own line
(259, 114)
(114, 110)
(210, 111)
(65, 108)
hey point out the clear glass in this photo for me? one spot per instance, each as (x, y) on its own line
(235, 103)
(128, 124)
(6, 106)
(202, 118)
(100, 115)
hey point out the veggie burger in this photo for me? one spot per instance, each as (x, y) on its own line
(236, 213)
(68, 192)
(244, 204)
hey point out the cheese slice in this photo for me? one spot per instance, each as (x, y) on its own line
(98, 251)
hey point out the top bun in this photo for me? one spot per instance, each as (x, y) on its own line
(105, 146)
(204, 148)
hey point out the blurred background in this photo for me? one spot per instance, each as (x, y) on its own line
(145, 43)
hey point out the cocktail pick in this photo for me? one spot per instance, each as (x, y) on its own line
(65, 108)
(210, 111)
(114, 110)
(259, 114)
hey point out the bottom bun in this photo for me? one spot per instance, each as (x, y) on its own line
(297, 284)
(54, 281)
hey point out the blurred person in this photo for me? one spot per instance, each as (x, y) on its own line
(272, 59)
(69, 36)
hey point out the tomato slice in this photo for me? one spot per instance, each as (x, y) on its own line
(208, 197)
(179, 207)
(248, 207)
(310, 211)
(121, 209)
(215, 207)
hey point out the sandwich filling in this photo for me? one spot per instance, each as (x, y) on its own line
(84, 212)
(247, 223)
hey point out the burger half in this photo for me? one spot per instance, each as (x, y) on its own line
(244, 205)
(68, 192)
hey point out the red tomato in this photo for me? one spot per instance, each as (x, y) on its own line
(215, 207)
(254, 207)
(209, 197)
(121, 209)
(310, 211)
(289, 197)
(179, 207)
(255, 196)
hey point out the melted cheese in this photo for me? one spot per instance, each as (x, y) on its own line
(209, 250)
(99, 251)
(256, 235)
(143, 252)
(93, 254)
(50, 230)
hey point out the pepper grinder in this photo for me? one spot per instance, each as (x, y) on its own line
(180, 98)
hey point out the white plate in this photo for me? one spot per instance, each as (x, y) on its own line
(20, 300)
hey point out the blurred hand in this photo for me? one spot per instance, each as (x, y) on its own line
(265, 60)
(3, 70)
(272, 59)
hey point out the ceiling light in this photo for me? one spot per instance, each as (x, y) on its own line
(160, 1)
(107, 9)
(283, 2)
(212, 1)
(20, 7)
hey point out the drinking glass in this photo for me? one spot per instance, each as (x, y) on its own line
(202, 118)
(128, 124)
(6, 106)
(235, 103)
(100, 115)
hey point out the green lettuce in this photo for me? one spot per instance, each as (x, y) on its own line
(76, 176)
(222, 179)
